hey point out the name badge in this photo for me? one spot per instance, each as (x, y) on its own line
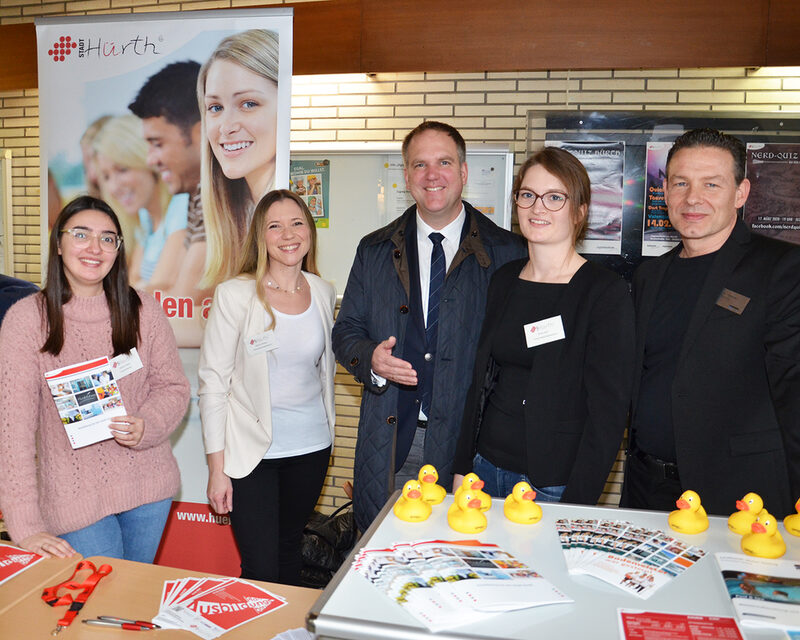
(732, 301)
(261, 343)
(126, 363)
(544, 331)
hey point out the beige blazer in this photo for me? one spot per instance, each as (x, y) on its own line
(235, 408)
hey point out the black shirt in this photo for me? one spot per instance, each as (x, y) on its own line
(677, 297)
(502, 435)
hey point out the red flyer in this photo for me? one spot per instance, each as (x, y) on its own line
(14, 560)
(211, 606)
(654, 625)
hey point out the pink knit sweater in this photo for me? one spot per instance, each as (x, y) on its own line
(45, 485)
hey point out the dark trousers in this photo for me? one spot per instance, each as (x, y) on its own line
(644, 489)
(271, 506)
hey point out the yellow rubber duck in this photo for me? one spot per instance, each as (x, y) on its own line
(765, 541)
(690, 516)
(748, 509)
(467, 517)
(432, 493)
(520, 507)
(473, 483)
(410, 505)
(792, 522)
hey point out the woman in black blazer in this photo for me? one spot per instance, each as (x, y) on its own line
(552, 381)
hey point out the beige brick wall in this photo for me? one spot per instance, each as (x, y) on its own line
(486, 107)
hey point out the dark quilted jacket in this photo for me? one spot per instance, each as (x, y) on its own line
(373, 309)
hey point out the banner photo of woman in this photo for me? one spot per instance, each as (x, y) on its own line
(180, 121)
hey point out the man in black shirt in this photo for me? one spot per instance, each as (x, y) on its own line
(717, 400)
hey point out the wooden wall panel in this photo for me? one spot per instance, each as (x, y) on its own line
(18, 57)
(783, 40)
(327, 37)
(507, 35)
(346, 36)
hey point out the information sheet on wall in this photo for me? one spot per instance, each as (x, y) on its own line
(311, 179)
(605, 164)
(658, 234)
(485, 189)
(773, 206)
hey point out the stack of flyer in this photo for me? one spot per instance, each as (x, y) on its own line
(14, 560)
(445, 584)
(637, 560)
(764, 592)
(208, 607)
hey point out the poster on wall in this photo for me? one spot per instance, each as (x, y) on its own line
(773, 206)
(311, 179)
(181, 122)
(605, 164)
(658, 234)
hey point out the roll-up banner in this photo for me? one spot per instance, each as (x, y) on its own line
(180, 121)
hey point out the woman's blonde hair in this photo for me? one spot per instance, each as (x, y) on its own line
(254, 262)
(121, 141)
(227, 203)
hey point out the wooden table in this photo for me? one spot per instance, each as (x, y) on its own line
(132, 590)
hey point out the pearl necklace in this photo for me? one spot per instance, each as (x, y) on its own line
(297, 289)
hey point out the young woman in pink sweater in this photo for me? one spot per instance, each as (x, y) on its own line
(111, 498)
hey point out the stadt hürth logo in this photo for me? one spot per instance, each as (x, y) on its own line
(103, 48)
(61, 48)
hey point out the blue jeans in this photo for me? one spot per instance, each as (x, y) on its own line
(499, 483)
(131, 535)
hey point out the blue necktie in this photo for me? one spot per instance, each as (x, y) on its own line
(434, 295)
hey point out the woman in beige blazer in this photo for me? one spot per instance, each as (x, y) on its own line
(266, 389)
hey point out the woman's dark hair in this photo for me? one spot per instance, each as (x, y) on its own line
(123, 301)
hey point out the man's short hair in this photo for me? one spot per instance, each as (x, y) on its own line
(171, 93)
(713, 138)
(433, 125)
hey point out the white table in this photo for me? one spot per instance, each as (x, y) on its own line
(351, 608)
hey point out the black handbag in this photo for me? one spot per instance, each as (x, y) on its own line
(326, 542)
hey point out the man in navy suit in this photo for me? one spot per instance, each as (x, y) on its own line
(717, 397)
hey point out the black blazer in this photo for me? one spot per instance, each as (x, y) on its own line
(578, 392)
(736, 392)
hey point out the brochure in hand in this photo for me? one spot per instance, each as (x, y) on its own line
(208, 607)
(87, 397)
(764, 592)
(446, 584)
(637, 560)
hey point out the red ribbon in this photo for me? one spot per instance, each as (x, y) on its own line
(51, 597)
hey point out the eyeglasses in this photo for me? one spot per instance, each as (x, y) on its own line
(109, 241)
(552, 200)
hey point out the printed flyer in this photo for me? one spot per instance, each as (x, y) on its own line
(773, 206)
(87, 398)
(637, 560)
(605, 164)
(764, 592)
(14, 560)
(310, 179)
(658, 235)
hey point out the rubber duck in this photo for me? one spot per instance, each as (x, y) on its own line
(473, 483)
(520, 507)
(689, 517)
(765, 541)
(792, 522)
(748, 509)
(432, 493)
(410, 506)
(467, 517)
